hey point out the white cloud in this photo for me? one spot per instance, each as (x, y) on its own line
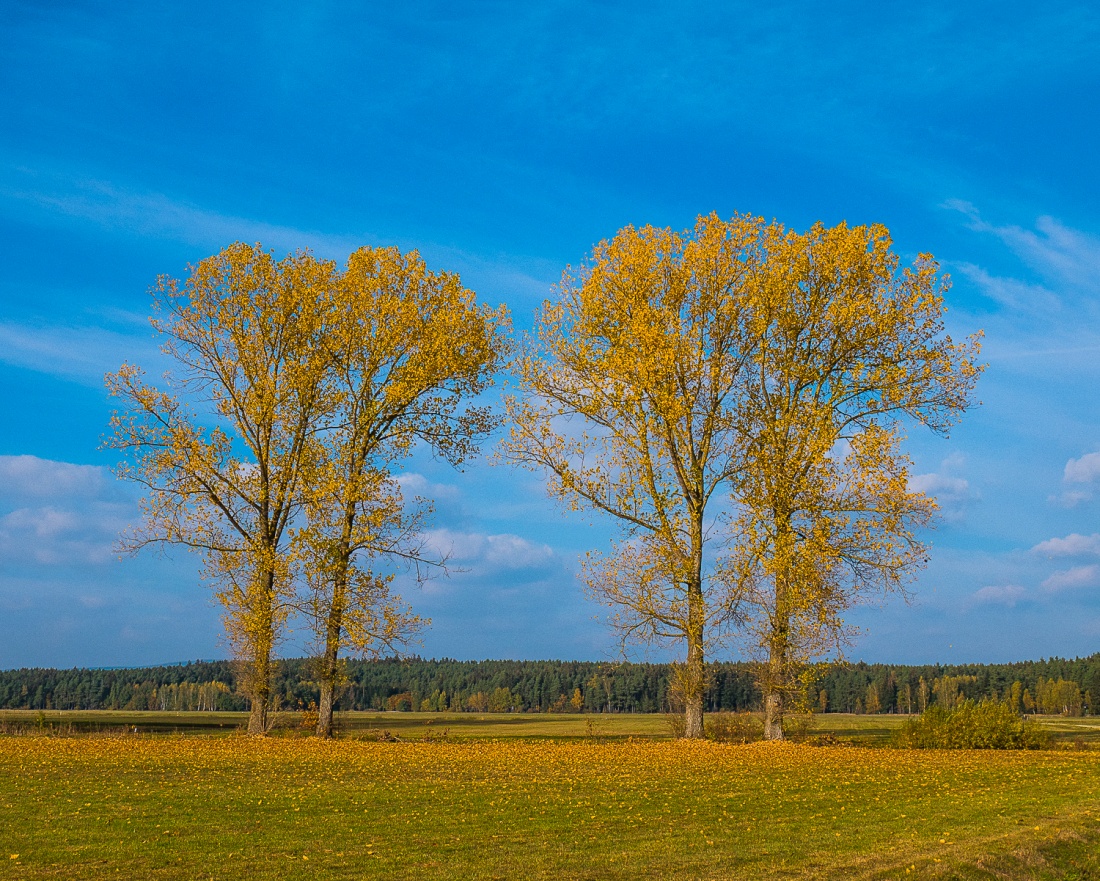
(1083, 470)
(59, 513)
(1071, 498)
(481, 551)
(29, 476)
(1073, 545)
(943, 486)
(414, 484)
(950, 491)
(1078, 576)
(998, 594)
(56, 536)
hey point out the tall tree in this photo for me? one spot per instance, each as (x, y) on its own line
(407, 350)
(246, 332)
(632, 393)
(850, 349)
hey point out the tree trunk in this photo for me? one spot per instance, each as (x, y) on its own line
(260, 633)
(334, 621)
(694, 672)
(773, 715)
(259, 692)
(334, 628)
(693, 698)
(257, 717)
(775, 680)
(328, 674)
(324, 710)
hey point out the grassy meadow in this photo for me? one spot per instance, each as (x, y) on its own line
(866, 730)
(536, 797)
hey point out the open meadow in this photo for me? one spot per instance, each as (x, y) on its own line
(863, 730)
(538, 797)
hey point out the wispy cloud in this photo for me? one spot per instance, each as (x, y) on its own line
(156, 215)
(1065, 257)
(1073, 545)
(1076, 577)
(81, 354)
(161, 216)
(950, 490)
(1012, 293)
(998, 594)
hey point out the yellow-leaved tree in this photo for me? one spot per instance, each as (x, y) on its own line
(632, 394)
(850, 349)
(407, 349)
(246, 331)
(733, 396)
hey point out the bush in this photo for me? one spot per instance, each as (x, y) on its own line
(798, 726)
(985, 725)
(734, 727)
(744, 727)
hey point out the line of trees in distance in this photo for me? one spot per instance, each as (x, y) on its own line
(1054, 686)
(732, 398)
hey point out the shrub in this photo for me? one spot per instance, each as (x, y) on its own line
(985, 725)
(799, 726)
(728, 727)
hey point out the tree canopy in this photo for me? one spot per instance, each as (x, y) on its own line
(731, 396)
(313, 382)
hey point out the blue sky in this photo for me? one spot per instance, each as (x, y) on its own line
(503, 140)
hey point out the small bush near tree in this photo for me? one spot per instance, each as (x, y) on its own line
(799, 726)
(734, 727)
(969, 725)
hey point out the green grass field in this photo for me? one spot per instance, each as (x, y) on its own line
(863, 730)
(548, 797)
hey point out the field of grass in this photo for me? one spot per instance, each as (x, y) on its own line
(174, 807)
(864, 730)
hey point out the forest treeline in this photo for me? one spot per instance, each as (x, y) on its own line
(1054, 686)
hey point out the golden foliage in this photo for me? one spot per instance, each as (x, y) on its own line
(848, 347)
(317, 381)
(245, 331)
(731, 395)
(632, 393)
(407, 348)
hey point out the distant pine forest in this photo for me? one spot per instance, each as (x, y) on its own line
(1055, 686)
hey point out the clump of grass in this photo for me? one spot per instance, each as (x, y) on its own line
(985, 725)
